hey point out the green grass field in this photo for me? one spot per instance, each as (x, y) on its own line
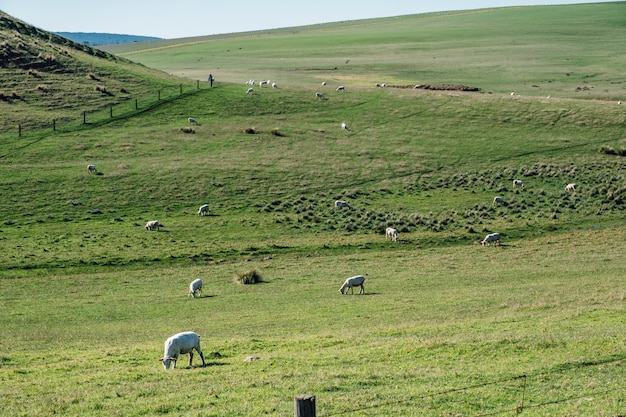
(447, 327)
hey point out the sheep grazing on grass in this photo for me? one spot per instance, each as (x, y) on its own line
(250, 90)
(341, 88)
(344, 126)
(518, 183)
(92, 169)
(342, 204)
(153, 225)
(195, 287)
(498, 200)
(323, 82)
(192, 120)
(570, 187)
(274, 85)
(264, 82)
(319, 95)
(355, 281)
(491, 238)
(392, 233)
(180, 344)
(204, 209)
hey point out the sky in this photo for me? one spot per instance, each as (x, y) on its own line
(172, 19)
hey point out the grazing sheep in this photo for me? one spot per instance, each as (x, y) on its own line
(392, 233)
(344, 126)
(250, 82)
(493, 237)
(204, 209)
(91, 169)
(570, 187)
(341, 88)
(518, 183)
(249, 90)
(319, 95)
(178, 344)
(192, 120)
(195, 287)
(264, 82)
(498, 200)
(355, 281)
(153, 225)
(342, 204)
(274, 85)
(323, 82)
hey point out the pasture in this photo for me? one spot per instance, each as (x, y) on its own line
(445, 327)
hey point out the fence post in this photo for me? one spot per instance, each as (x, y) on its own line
(84, 117)
(19, 130)
(197, 84)
(159, 94)
(111, 112)
(180, 89)
(54, 124)
(136, 104)
(304, 405)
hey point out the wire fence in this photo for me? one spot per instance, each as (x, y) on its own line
(89, 118)
(512, 396)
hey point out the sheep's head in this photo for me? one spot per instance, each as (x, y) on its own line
(167, 362)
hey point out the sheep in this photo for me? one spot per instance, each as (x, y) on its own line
(323, 82)
(195, 287)
(498, 200)
(264, 82)
(392, 233)
(250, 82)
(274, 85)
(192, 120)
(344, 126)
(341, 88)
(342, 204)
(319, 95)
(493, 237)
(570, 187)
(204, 209)
(91, 169)
(178, 344)
(250, 90)
(153, 225)
(518, 183)
(355, 281)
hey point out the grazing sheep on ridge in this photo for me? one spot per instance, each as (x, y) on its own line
(518, 183)
(344, 126)
(250, 90)
(319, 95)
(570, 187)
(341, 88)
(264, 82)
(342, 204)
(323, 82)
(392, 233)
(355, 281)
(195, 287)
(192, 120)
(491, 238)
(91, 169)
(498, 200)
(274, 85)
(178, 344)
(204, 209)
(153, 225)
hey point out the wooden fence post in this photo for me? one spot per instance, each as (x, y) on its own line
(180, 88)
(197, 84)
(54, 124)
(159, 94)
(304, 405)
(111, 112)
(136, 104)
(84, 117)
(19, 130)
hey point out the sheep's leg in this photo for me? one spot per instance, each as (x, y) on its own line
(362, 289)
(202, 357)
(190, 357)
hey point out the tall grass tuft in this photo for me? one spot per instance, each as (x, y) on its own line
(249, 277)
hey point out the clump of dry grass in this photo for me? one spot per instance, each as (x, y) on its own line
(277, 132)
(43, 88)
(249, 277)
(93, 76)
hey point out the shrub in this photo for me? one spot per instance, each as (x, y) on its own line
(249, 277)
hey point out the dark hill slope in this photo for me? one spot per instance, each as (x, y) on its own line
(46, 76)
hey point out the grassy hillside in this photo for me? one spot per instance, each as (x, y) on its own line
(447, 326)
(46, 76)
(574, 51)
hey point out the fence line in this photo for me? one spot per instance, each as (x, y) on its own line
(521, 406)
(126, 108)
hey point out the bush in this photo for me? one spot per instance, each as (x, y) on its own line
(249, 277)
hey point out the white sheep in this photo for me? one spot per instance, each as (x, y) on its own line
(392, 233)
(91, 169)
(179, 344)
(570, 187)
(355, 281)
(518, 183)
(498, 200)
(192, 120)
(274, 85)
(323, 82)
(195, 287)
(264, 82)
(204, 209)
(319, 95)
(341, 88)
(250, 90)
(344, 126)
(342, 204)
(491, 238)
(153, 225)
